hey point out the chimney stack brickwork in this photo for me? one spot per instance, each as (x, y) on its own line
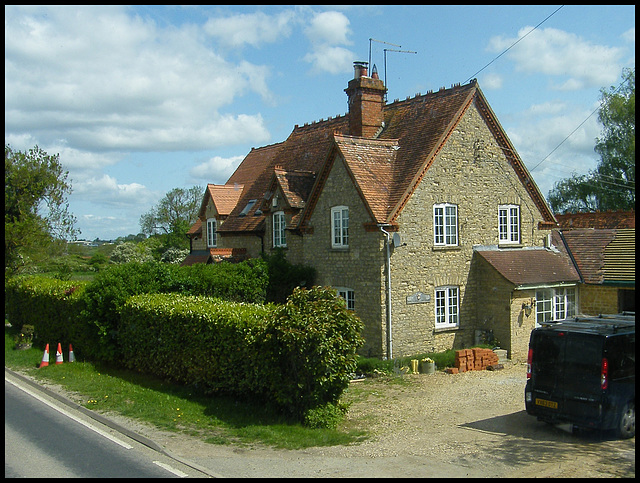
(366, 103)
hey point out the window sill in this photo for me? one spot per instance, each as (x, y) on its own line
(445, 248)
(439, 330)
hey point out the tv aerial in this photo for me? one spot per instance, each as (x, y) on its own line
(385, 57)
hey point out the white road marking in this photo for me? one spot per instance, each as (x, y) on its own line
(170, 469)
(69, 415)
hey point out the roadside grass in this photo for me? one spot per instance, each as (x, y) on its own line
(171, 407)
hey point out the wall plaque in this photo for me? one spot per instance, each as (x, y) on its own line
(418, 298)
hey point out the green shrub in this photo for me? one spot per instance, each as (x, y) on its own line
(310, 350)
(285, 276)
(51, 306)
(299, 356)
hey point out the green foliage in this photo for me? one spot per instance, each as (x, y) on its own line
(313, 341)
(131, 252)
(106, 295)
(174, 255)
(173, 216)
(51, 306)
(36, 211)
(611, 185)
(298, 356)
(285, 276)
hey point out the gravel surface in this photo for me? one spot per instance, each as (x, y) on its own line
(427, 425)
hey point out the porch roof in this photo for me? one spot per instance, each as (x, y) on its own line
(531, 266)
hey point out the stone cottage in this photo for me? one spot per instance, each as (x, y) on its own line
(419, 212)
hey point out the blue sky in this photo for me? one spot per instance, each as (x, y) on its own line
(138, 100)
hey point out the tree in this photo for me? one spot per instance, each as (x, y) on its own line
(173, 216)
(611, 186)
(36, 211)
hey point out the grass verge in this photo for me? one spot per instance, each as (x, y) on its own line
(171, 407)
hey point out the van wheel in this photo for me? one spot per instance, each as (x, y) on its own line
(627, 424)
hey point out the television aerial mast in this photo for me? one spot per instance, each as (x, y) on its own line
(385, 64)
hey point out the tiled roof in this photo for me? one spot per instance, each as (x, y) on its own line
(603, 255)
(587, 248)
(620, 257)
(531, 266)
(385, 170)
(214, 255)
(598, 219)
(304, 150)
(225, 197)
(372, 163)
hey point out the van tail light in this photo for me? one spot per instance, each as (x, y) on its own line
(529, 360)
(604, 373)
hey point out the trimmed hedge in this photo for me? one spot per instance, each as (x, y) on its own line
(53, 307)
(107, 293)
(298, 355)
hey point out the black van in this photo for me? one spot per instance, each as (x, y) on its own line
(582, 371)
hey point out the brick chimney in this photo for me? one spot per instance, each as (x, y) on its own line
(366, 102)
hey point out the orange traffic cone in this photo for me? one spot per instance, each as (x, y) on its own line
(72, 358)
(59, 359)
(45, 357)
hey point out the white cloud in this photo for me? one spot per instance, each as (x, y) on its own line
(492, 81)
(215, 170)
(558, 53)
(255, 29)
(330, 28)
(326, 58)
(327, 32)
(96, 78)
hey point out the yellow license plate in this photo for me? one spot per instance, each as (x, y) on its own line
(546, 404)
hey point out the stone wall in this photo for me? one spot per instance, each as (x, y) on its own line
(471, 172)
(359, 267)
(598, 299)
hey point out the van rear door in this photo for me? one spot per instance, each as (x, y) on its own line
(566, 375)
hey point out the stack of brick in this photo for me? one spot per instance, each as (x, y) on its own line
(475, 359)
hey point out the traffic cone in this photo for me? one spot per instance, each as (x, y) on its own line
(45, 357)
(72, 358)
(59, 359)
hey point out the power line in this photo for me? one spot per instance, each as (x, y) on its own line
(512, 45)
(579, 126)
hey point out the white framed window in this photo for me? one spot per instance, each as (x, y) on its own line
(555, 304)
(508, 224)
(340, 227)
(279, 224)
(348, 295)
(212, 235)
(447, 307)
(445, 224)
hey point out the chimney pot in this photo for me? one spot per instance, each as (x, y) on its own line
(360, 69)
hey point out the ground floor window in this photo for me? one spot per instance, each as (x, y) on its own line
(348, 295)
(555, 304)
(447, 307)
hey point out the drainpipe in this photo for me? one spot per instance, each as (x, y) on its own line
(387, 242)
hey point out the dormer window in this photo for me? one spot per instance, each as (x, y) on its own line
(247, 208)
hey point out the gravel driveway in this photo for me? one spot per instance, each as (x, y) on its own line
(432, 425)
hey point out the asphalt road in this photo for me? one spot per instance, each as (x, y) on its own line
(47, 439)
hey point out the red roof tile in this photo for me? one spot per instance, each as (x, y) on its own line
(386, 170)
(598, 219)
(531, 266)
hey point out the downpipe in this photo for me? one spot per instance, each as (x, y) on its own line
(387, 243)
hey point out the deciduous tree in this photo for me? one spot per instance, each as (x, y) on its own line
(36, 211)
